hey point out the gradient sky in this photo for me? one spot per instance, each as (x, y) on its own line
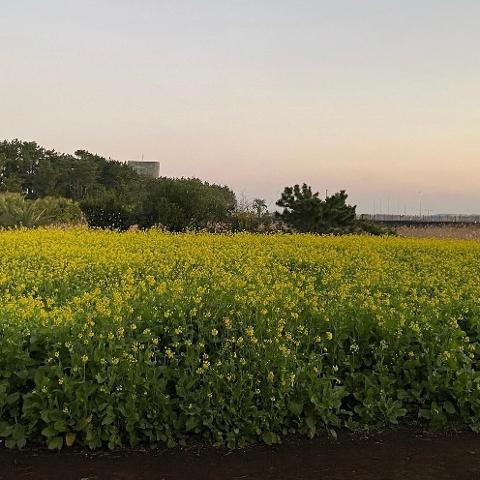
(379, 97)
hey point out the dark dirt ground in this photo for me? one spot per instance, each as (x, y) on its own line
(403, 454)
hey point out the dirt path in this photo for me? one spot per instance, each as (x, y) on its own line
(398, 455)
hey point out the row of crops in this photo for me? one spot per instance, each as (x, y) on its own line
(111, 339)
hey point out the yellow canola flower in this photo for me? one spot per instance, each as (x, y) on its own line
(276, 299)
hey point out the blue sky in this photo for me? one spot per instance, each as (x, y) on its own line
(377, 97)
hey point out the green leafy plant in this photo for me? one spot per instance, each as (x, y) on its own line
(111, 340)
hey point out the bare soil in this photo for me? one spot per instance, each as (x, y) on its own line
(403, 454)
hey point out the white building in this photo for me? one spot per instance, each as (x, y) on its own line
(149, 169)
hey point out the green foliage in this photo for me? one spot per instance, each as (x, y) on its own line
(185, 203)
(255, 217)
(336, 214)
(114, 340)
(306, 212)
(259, 206)
(17, 211)
(27, 168)
(302, 208)
(111, 194)
(60, 211)
(107, 211)
(373, 228)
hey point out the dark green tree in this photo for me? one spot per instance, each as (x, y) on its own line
(106, 210)
(302, 209)
(337, 213)
(178, 204)
(306, 212)
(19, 164)
(111, 194)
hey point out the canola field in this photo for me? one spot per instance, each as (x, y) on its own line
(111, 339)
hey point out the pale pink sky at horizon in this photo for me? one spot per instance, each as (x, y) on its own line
(380, 98)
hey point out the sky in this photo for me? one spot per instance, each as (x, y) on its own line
(377, 97)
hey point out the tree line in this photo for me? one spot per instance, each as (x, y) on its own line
(41, 186)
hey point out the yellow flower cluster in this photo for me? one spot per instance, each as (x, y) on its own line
(238, 315)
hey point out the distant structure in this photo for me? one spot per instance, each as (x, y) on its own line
(149, 169)
(421, 219)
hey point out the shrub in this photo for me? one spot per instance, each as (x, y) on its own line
(179, 204)
(17, 211)
(60, 211)
(108, 211)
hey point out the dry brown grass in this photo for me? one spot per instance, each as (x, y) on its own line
(465, 232)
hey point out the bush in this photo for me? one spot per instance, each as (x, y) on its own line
(108, 211)
(17, 211)
(372, 228)
(179, 204)
(60, 211)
